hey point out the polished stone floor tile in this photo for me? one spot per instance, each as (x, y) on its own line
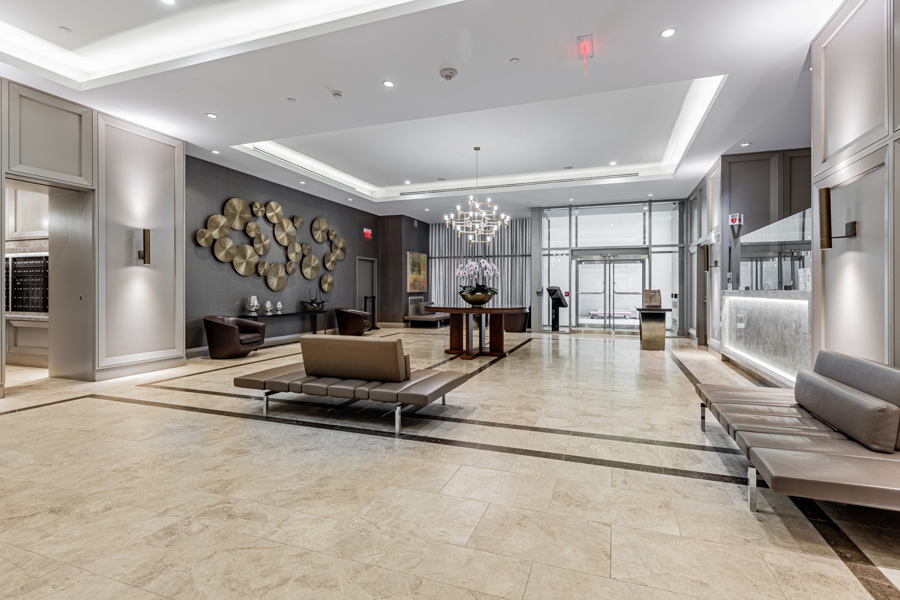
(566, 542)
(510, 489)
(802, 578)
(551, 583)
(614, 506)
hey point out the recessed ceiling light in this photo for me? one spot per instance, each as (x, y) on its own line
(745, 144)
(291, 99)
(168, 1)
(613, 163)
(571, 199)
(567, 168)
(212, 115)
(215, 151)
(349, 199)
(442, 179)
(407, 182)
(650, 195)
(67, 30)
(302, 183)
(514, 60)
(427, 209)
(387, 83)
(667, 33)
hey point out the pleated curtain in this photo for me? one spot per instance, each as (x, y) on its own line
(510, 250)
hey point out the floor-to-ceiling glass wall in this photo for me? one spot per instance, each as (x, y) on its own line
(604, 257)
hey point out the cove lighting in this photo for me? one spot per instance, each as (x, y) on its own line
(387, 83)
(667, 33)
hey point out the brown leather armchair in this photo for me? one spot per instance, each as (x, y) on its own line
(352, 322)
(229, 337)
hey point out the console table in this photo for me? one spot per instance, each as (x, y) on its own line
(653, 328)
(314, 314)
(461, 329)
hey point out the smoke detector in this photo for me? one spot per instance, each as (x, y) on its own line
(337, 94)
(448, 74)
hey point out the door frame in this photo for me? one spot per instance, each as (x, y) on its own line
(374, 262)
(609, 256)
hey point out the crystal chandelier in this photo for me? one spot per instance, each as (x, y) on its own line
(480, 223)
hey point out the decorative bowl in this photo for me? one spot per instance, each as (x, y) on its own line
(476, 299)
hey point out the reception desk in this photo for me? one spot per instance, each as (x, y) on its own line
(768, 332)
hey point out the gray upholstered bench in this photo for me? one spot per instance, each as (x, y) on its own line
(420, 316)
(835, 439)
(355, 368)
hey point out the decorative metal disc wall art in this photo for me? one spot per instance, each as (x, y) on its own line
(238, 215)
(218, 226)
(320, 230)
(310, 267)
(204, 238)
(262, 244)
(274, 212)
(277, 277)
(225, 249)
(285, 232)
(245, 260)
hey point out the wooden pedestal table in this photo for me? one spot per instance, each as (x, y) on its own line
(461, 329)
(653, 328)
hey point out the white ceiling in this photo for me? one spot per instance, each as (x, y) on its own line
(531, 118)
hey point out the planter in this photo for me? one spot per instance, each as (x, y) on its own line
(476, 299)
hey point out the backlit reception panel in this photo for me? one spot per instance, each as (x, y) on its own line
(768, 330)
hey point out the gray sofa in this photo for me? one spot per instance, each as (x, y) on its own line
(834, 437)
(420, 316)
(355, 368)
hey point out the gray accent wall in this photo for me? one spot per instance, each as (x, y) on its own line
(215, 288)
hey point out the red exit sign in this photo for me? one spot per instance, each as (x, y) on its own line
(367, 233)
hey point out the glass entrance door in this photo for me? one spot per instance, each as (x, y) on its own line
(609, 290)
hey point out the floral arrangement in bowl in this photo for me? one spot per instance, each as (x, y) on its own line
(315, 304)
(475, 276)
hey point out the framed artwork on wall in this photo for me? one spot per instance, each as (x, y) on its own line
(416, 272)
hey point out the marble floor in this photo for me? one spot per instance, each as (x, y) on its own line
(574, 468)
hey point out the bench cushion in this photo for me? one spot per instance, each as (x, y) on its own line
(388, 392)
(870, 421)
(431, 388)
(736, 428)
(352, 357)
(717, 408)
(257, 381)
(282, 383)
(730, 421)
(865, 481)
(800, 442)
(867, 376)
(768, 395)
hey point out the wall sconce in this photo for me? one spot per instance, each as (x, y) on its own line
(825, 236)
(145, 253)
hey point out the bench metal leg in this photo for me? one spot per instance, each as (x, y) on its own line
(751, 487)
(443, 399)
(266, 403)
(702, 416)
(397, 419)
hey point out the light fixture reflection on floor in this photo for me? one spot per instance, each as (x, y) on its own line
(480, 223)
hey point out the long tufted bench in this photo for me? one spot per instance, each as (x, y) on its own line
(835, 437)
(355, 368)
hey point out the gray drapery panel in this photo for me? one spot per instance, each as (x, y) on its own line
(510, 251)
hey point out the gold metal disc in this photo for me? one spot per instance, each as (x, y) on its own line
(329, 261)
(339, 248)
(310, 267)
(238, 213)
(218, 226)
(276, 278)
(225, 249)
(262, 244)
(290, 267)
(259, 209)
(245, 260)
(327, 282)
(204, 237)
(298, 222)
(262, 268)
(252, 229)
(274, 212)
(332, 234)
(320, 230)
(285, 232)
(305, 248)
(294, 252)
